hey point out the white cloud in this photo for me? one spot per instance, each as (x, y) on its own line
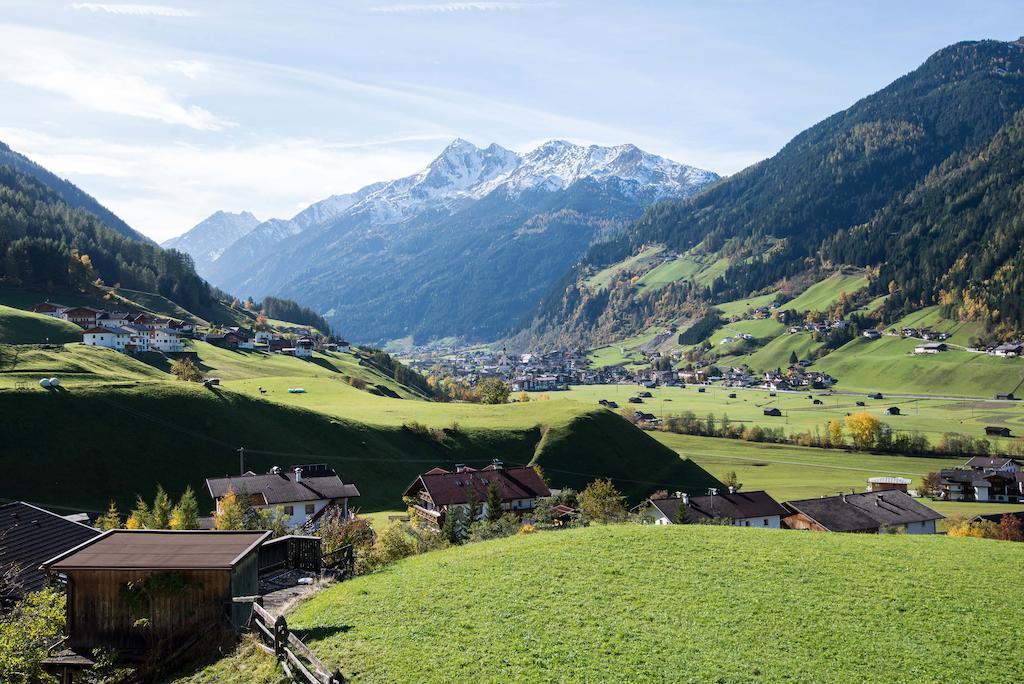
(133, 10)
(100, 77)
(190, 69)
(480, 6)
(164, 189)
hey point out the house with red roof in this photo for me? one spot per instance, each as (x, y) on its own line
(438, 493)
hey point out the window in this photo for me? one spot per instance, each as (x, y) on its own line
(746, 523)
(766, 522)
(309, 509)
(289, 510)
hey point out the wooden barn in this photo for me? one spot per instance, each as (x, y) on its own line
(151, 592)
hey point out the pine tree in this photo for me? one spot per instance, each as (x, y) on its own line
(793, 358)
(111, 520)
(450, 529)
(185, 515)
(160, 516)
(493, 502)
(230, 516)
(139, 518)
(472, 505)
(681, 517)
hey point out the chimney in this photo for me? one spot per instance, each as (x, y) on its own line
(732, 490)
(459, 467)
(298, 474)
(679, 495)
(685, 497)
(498, 465)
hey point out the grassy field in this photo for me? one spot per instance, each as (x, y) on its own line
(75, 364)
(822, 295)
(603, 278)
(701, 268)
(889, 365)
(623, 352)
(777, 353)
(684, 603)
(24, 327)
(931, 417)
(793, 472)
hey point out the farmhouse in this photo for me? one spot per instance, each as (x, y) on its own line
(1008, 349)
(994, 464)
(871, 334)
(29, 536)
(165, 340)
(870, 512)
(304, 347)
(82, 315)
(744, 509)
(930, 348)
(49, 309)
(886, 482)
(439, 492)
(304, 493)
(180, 583)
(959, 484)
(111, 338)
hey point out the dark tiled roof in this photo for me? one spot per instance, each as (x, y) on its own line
(318, 482)
(30, 535)
(160, 550)
(736, 506)
(447, 488)
(974, 477)
(988, 462)
(864, 512)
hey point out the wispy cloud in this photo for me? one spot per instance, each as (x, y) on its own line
(133, 10)
(481, 6)
(100, 78)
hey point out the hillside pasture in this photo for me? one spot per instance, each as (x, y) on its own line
(686, 603)
(824, 294)
(24, 327)
(642, 259)
(931, 417)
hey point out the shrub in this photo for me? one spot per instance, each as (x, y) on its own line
(184, 369)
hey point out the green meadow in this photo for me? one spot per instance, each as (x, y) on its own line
(669, 603)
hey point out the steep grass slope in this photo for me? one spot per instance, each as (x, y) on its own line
(674, 603)
(25, 327)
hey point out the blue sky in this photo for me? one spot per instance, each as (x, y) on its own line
(171, 110)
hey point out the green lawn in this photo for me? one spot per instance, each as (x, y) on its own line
(777, 353)
(604, 277)
(822, 295)
(931, 417)
(679, 603)
(24, 327)
(701, 268)
(889, 365)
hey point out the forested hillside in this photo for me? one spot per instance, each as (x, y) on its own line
(46, 243)
(68, 192)
(869, 186)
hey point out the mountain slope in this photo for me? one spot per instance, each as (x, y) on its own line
(207, 240)
(462, 248)
(68, 192)
(784, 217)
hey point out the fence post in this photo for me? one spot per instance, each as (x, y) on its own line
(280, 636)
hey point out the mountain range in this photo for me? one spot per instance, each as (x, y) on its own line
(463, 248)
(918, 184)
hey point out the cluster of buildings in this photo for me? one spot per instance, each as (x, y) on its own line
(884, 509)
(984, 478)
(121, 330)
(132, 333)
(821, 327)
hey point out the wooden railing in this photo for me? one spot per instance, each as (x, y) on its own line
(291, 552)
(341, 560)
(298, 661)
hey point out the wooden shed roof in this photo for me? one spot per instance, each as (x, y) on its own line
(160, 550)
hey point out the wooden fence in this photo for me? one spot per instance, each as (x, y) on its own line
(297, 660)
(291, 552)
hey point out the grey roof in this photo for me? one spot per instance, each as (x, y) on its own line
(318, 482)
(737, 506)
(864, 512)
(989, 462)
(30, 535)
(160, 550)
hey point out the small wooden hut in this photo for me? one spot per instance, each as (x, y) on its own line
(149, 592)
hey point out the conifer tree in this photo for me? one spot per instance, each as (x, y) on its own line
(139, 518)
(160, 515)
(185, 515)
(111, 520)
(472, 505)
(493, 502)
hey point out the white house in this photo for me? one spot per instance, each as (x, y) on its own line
(139, 338)
(302, 493)
(263, 337)
(304, 348)
(111, 338)
(744, 509)
(165, 340)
